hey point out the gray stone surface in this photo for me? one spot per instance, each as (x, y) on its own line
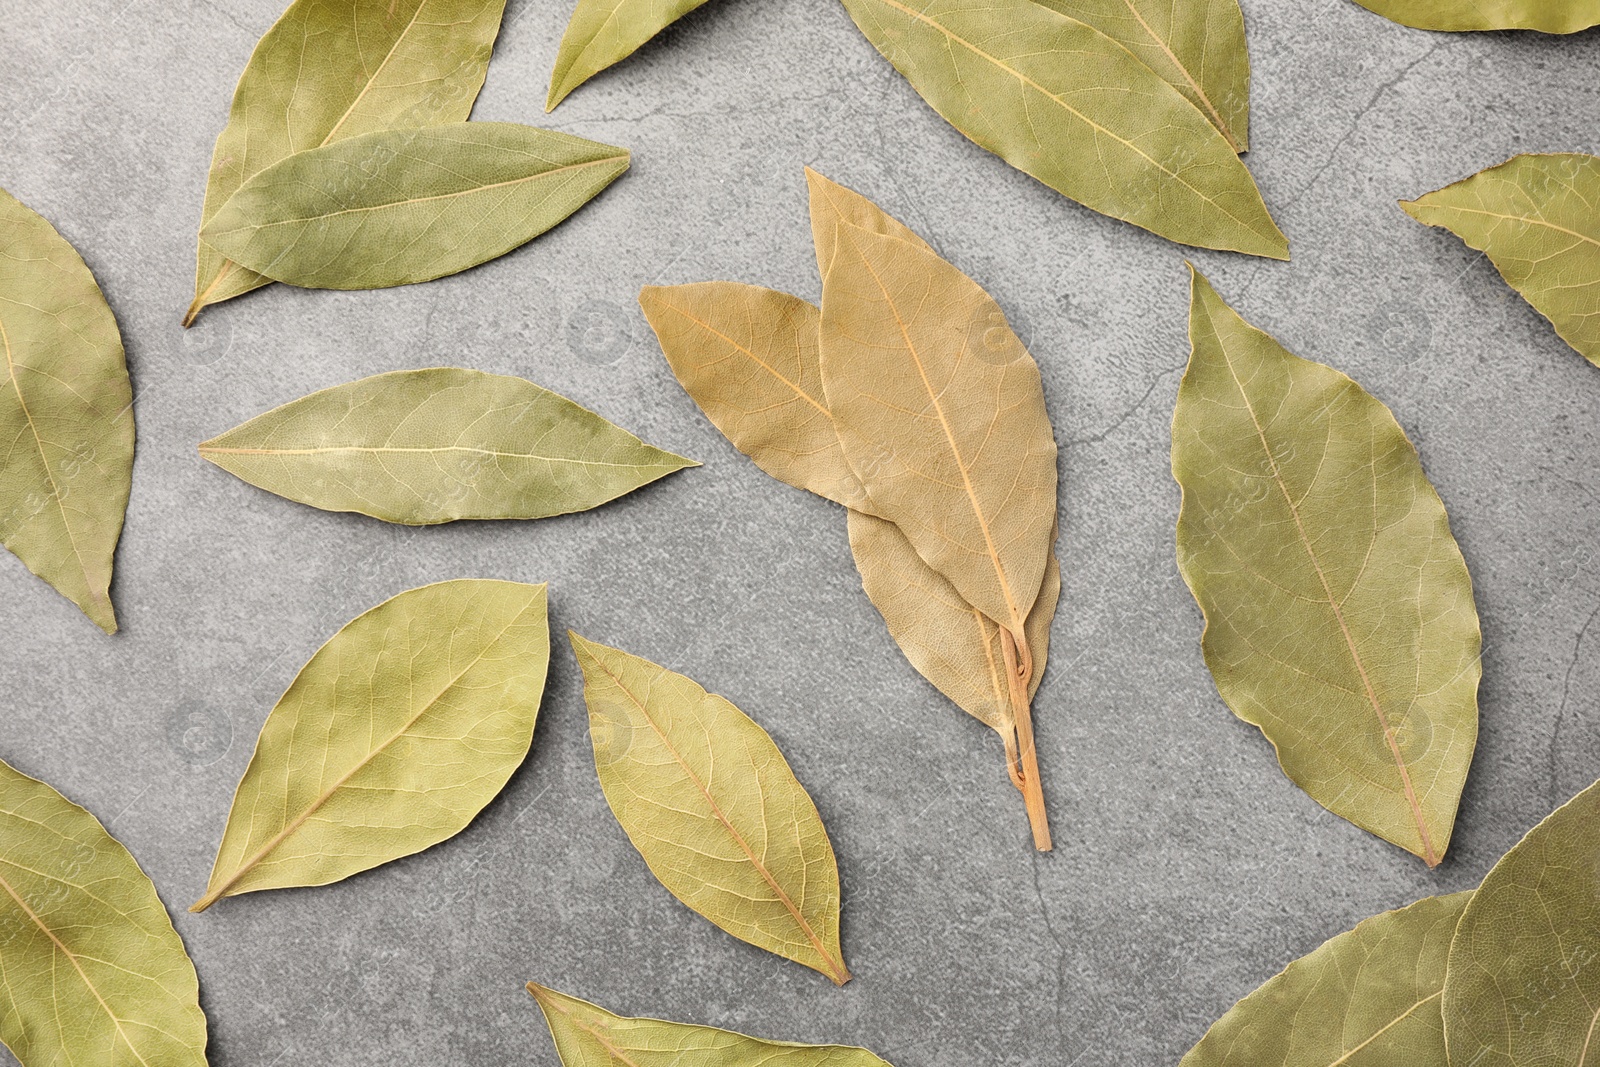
(1188, 869)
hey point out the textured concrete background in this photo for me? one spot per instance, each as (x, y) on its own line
(1188, 869)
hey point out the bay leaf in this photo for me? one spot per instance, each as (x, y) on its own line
(1366, 998)
(950, 643)
(1548, 16)
(427, 446)
(94, 972)
(832, 204)
(397, 207)
(710, 803)
(327, 71)
(1523, 979)
(1196, 46)
(1339, 612)
(1534, 217)
(392, 737)
(602, 33)
(1050, 95)
(66, 408)
(748, 356)
(589, 1036)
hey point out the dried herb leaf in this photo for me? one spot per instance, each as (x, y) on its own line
(67, 410)
(1050, 95)
(93, 970)
(1366, 998)
(1522, 983)
(1535, 218)
(587, 1036)
(1549, 16)
(391, 738)
(325, 72)
(951, 643)
(428, 446)
(940, 412)
(832, 204)
(402, 206)
(1197, 47)
(712, 806)
(605, 32)
(1339, 613)
(748, 356)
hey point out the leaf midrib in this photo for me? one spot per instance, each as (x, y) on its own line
(1174, 175)
(260, 854)
(721, 817)
(579, 461)
(1429, 856)
(73, 959)
(1222, 127)
(1530, 220)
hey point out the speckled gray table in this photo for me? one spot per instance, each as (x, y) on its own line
(1188, 869)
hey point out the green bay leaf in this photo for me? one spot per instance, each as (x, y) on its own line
(327, 71)
(66, 410)
(390, 739)
(1547, 16)
(403, 206)
(1523, 980)
(1535, 217)
(428, 446)
(93, 970)
(711, 804)
(602, 33)
(1339, 613)
(1366, 998)
(1050, 95)
(589, 1036)
(1196, 46)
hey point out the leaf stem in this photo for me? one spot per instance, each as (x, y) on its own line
(1025, 769)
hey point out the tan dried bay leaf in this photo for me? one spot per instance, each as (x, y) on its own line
(602, 33)
(1196, 46)
(1339, 612)
(398, 207)
(1548, 16)
(1366, 998)
(93, 970)
(327, 71)
(391, 738)
(66, 409)
(710, 803)
(1523, 980)
(429, 446)
(1050, 95)
(748, 357)
(589, 1036)
(1537, 218)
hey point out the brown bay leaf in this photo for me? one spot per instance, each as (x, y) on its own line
(710, 803)
(1339, 612)
(327, 71)
(392, 738)
(66, 410)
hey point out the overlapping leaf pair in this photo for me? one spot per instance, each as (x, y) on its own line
(1134, 108)
(1501, 975)
(907, 399)
(348, 163)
